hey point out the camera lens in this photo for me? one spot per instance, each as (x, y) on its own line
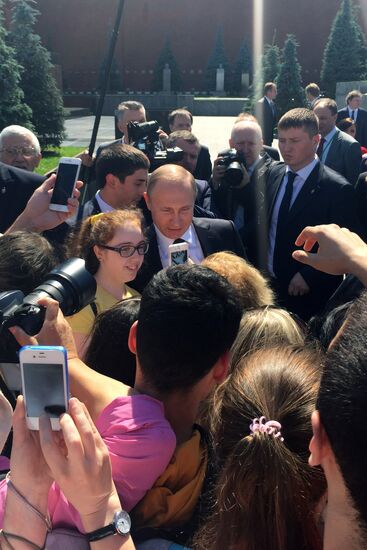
(70, 284)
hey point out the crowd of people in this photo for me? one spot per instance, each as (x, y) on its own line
(218, 403)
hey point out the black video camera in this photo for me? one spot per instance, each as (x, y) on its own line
(145, 137)
(70, 284)
(233, 160)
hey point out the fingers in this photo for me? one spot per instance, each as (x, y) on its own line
(51, 449)
(49, 183)
(20, 430)
(22, 337)
(52, 308)
(304, 257)
(83, 426)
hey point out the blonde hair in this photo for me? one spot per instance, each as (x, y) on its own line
(252, 287)
(264, 327)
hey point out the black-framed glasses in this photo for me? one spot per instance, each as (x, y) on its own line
(128, 250)
(25, 151)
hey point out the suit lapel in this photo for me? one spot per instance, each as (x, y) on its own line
(272, 190)
(202, 228)
(307, 193)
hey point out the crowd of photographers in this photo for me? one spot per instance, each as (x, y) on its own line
(198, 390)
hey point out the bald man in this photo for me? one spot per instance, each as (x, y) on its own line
(244, 203)
(170, 197)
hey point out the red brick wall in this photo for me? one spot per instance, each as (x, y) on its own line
(77, 31)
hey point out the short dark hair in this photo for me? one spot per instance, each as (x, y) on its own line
(121, 160)
(269, 86)
(128, 106)
(342, 403)
(177, 112)
(345, 123)
(189, 317)
(182, 134)
(300, 118)
(329, 103)
(25, 260)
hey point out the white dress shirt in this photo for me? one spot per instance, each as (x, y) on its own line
(355, 113)
(298, 183)
(104, 206)
(190, 236)
(327, 143)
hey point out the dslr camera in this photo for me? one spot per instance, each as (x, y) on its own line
(145, 137)
(70, 284)
(233, 160)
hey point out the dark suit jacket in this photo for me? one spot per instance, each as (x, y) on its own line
(203, 170)
(16, 188)
(361, 124)
(361, 192)
(344, 156)
(213, 235)
(266, 118)
(326, 197)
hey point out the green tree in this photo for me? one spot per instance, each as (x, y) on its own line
(167, 57)
(268, 68)
(290, 90)
(344, 57)
(13, 109)
(217, 57)
(243, 64)
(37, 81)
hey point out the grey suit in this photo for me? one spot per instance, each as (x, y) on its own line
(344, 156)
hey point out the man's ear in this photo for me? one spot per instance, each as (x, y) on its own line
(319, 445)
(132, 338)
(147, 200)
(220, 369)
(111, 181)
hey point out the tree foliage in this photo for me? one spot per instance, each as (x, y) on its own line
(37, 80)
(344, 56)
(289, 83)
(13, 109)
(216, 59)
(243, 64)
(268, 69)
(167, 57)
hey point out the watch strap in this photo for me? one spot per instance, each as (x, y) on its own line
(101, 533)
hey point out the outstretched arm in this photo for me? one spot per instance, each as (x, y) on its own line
(340, 251)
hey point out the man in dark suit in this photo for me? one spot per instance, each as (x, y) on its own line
(181, 119)
(242, 201)
(266, 112)
(303, 192)
(337, 150)
(170, 198)
(16, 188)
(353, 110)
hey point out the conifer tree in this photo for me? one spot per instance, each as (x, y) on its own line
(167, 57)
(242, 65)
(38, 83)
(268, 69)
(290, 90)
(344, 56)
(13, 109)
(217, 57)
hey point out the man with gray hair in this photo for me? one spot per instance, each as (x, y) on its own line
(19, 147)
(243, 202)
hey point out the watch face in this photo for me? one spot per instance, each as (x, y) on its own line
(122, 522)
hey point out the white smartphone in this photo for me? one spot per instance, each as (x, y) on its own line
(45, 384)
(66, 178)
(178, 253)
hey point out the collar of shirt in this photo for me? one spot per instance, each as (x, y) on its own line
(103, 204)
(304, 172)
(189, 236)
(330, 135)
(270, 101)
(351, 111)
(251, 168)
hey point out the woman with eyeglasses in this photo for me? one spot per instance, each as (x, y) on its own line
(113, 247)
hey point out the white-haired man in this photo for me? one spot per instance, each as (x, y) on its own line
(19, 147)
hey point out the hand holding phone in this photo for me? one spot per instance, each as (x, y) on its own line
(44, 383)
(66, 178)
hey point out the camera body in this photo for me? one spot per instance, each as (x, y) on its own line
(70, 284)
(144, 136)
(232, 160)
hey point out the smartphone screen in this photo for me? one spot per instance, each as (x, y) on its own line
(44, 389)
(64, 185)
(179, 257)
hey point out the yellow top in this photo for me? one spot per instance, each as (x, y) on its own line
(82, 322)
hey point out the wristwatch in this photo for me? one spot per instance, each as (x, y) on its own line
(120, 525)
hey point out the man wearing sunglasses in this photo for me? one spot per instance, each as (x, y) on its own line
(19, 147)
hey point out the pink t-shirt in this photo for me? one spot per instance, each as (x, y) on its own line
(141, 443)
